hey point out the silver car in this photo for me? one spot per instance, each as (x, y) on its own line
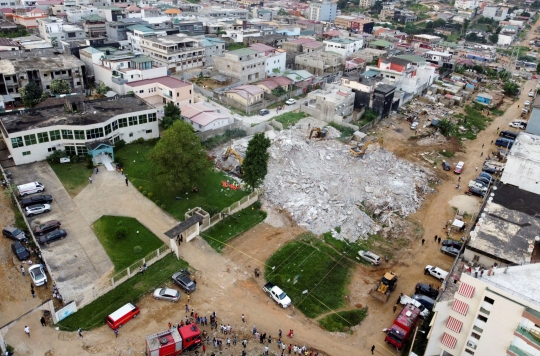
(37, 209)
(370, 257)
(167, 294)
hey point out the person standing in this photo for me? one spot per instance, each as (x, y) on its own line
(243, 318)
(79, 330)
(394, 308)
(27, 330)
(423, 240)
(204, 349)
(33, 293)
(23, 271)
(436, 238)
(439, 240)
(372, 349)
(90, 179)
(188, 298)
(42, 321)
(97, 170)
(126, 182)
(116, 333)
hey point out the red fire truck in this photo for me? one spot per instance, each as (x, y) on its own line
(174, 341)
(401, 329)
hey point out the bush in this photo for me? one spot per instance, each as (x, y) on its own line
(162, 206)
(55, 156)
(140, 188)
(74, 159)
(140, 140)
(120, 233)
(90, 164)
(119, 144)
(157, 202)
(144, 192)
(150, 195)
(137, 249)
(219, 139)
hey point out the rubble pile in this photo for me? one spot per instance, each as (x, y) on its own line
(323, 186)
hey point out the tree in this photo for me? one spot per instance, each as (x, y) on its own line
(102, 89)
(464, 27)
(525, 14)
(178, 159)
(510, 88)
(255, 164)
(446, 127)
(279, 91)
(60, 87)
(494, 38)
(377, 7)
(538, 68)
(30, 94)
(171, 113)
(282, 12)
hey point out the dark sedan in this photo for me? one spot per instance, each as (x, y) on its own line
(183, 280)
(450, 250)
(20, 251)
(452, 243)
(46, 227)
(426, 289)
(52, 236)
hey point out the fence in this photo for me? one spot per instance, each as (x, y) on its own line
(205, 92)
(205, 135)
(132, 270)
(235, 207)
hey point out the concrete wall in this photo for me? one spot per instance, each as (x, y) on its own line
(246, 71)
(203, 136)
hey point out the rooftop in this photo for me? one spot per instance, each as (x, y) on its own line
(246, 90)
(169, 82)
(516, 281)
(261, 47)
(243, 52)
(94, 111)
(523, 161)
(8, 42)
(16, 65)
(201, 114)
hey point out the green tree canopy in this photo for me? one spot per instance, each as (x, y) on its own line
(510, 88)
(178, 159)
(494, 38)
(170, 115)
(538, 68)
(255, 164)
(60, 87)
(282, 12)
(30, 94)
(102, 89)
(377, 7)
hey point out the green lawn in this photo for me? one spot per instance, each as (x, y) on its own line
(321, 270)
(343, 321)
(234, 225)
(74, 176)
(288, 119)
(212, 197)
(94, 314)
(121, 251)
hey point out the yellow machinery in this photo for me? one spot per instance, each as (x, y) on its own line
(318, 133)
(384, 287)
(360, 151)
(238, 169)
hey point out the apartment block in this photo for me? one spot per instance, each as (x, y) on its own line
(175, 52)
(246, 65)
(323, 10)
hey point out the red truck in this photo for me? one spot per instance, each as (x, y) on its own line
(401, 329)
(173, 342)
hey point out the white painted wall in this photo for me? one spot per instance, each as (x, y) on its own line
(278, 61)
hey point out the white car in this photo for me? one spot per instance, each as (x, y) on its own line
(38, 275)
(414, 125)
(405, 299)
(370, 257)
(436, 272)
(518, 125)
(290, 102)
(37, 209)
(531, 94)
(167, 294)
(527, 103)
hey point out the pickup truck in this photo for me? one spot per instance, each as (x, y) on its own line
(277, 294)
(436, 272)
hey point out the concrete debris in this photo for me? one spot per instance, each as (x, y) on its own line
(323, 186)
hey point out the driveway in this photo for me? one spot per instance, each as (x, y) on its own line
(79, 260)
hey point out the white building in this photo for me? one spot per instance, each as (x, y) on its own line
(275, 58)
(498, 13)
(76, 14)
(56, 128)
(497, 314)
(323, 10)
(344, 46)
(175, 52)
(466, 4)
(204, 118)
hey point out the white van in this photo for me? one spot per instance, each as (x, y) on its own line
(30, 188)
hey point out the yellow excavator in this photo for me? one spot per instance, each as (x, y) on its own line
(230, 151)
(360, 151)
(318, 132)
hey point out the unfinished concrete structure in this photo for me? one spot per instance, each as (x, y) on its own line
(333, 104)
(245, 64)
(320, 63)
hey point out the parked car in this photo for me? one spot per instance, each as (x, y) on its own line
(445, 165)
(36, 199)
(20, 251)
(487, 182)
(183, 280)
(450, 250)
(37, 274)
(290, 102)
(527, 103)
(46, 227)
(436, 272)
(370, 257)
(167, 294)
(52, 236)
(459, 167)
(37, 209)
(264, 112)
(476, 191)
(490, 170)
(14, 233)
(531, 94)
(425, 301)
(414, 125)
(405, 299)
(426, 289)
(476, 184)
(452, 243)
(518, 125)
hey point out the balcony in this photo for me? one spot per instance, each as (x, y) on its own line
(119, 80)
(532, 339)
(517, 351)
(167, 95)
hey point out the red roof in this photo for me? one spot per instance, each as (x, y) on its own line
(339, 92)
(261, 47)
(169, 82)
(333, 33)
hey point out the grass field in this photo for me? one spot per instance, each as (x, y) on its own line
(288, 119)
(94, 314)
(121, 251)
(74, 176)
(211, 196)
(343, 321)
(233, 225)
(318, 268)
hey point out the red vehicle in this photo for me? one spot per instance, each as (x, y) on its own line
(173, 342)
(403, 325)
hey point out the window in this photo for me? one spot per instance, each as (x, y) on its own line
(107, 129)
(132, 120)
(55, 135)
(475, 335)
(469, 352)
(94, 133)
(115, 125)
(149, 131)
(70, 151)
(30, 140)
(489, 300)
(142, 119)
(152, 117)
(67, 134)
(79, 134)
(51, 149)
(131, 134)
(82, 151)
(483, 318)
(26, 153)
(122, 122)
(17, 142)
(43, 137)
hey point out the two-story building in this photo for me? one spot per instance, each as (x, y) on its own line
(246, 65)
(158, 92)
(275, 58)
(335, 103)
(344, 46)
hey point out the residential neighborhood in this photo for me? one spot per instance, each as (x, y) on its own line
(323, 177)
